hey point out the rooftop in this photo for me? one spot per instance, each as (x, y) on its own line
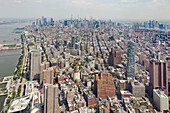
(20, 103)
(160, 92)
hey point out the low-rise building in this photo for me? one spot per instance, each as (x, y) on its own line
(21, 105)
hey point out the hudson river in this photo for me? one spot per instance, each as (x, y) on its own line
(8, 62)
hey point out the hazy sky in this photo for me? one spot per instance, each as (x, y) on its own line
(103, 9)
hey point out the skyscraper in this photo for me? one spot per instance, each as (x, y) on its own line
(73, 42)
(51, 99)
(114, 57)
(43, 66)
(130, 69)
(35, 63)
(65, 23)
(52, 21)
(158, 76)
(104, 85)
(48, 75)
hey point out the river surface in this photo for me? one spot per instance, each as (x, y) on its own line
(2, 99)
(7, 32)
(8, 62)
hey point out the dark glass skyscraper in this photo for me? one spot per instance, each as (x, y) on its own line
(52, 21)
(65, 23)
(73, 42)
(130, 69)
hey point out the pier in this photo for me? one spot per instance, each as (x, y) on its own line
(10, 52)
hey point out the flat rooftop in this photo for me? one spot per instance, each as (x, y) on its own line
(20, 103)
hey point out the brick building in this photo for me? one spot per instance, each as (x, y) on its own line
(158, 76)
(104, 85)
(114, 57)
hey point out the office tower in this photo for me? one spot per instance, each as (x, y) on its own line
(114, 57)
(65, 23)
(35, 62)
(39, 22)
(73, 42)
(158, 76)
(82, 48)
(104, 85)
(43, 66)
(130, 69)
(161, 26)
(36, 21)
(42, 19)
(48, 75)
(160, 100)
(150, 24)
(52, 21)
(137, 89)
(51, 99)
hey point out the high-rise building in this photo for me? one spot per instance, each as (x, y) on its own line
(73, 42)
(51, 99)
(48, 75)
(114, 57)
(65, 23)
(104, 85)
(35, 63)
(44, 20)
(158, 76)
(137, 89)
(43, 66)
(130, 69)
(82, 48)
(52, 21)
(36, 21)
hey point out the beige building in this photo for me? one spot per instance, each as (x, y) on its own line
(76, 74)
(160, 100)
(35, 63)
(137, 89)
(48, 75)
(44, 65)
(51, 99)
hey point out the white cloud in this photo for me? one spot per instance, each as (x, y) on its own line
(126, 9)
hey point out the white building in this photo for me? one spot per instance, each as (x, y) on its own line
(160, 100)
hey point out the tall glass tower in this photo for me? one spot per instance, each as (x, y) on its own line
(130, 69)
(73, 42)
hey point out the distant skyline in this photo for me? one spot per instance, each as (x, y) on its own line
(102, 9)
